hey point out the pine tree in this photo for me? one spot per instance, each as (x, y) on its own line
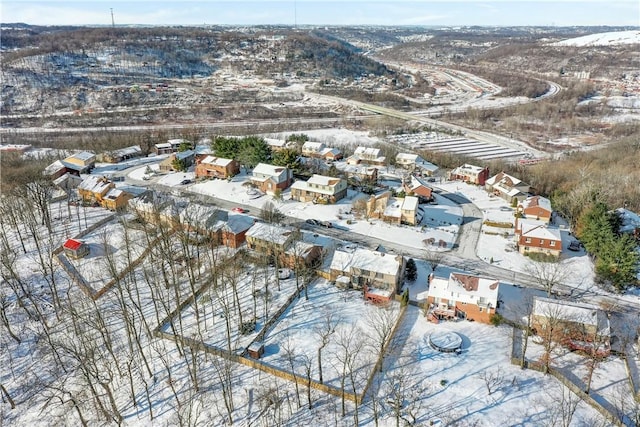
(411, 271)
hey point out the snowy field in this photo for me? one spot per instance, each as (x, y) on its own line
(453, 388)
(108, 254)
(255, 296)
(349, 323)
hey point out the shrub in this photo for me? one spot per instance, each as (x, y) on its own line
(496, 319)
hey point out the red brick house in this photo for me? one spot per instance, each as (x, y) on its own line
(216, 167)
(417, 187)
(537, 236)
(233, 233)
(536, 207)
(470, 174)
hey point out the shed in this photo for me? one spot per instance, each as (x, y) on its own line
(256, 350)
(74, 248)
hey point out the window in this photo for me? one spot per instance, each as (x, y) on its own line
(542, 241)
(552, 243)
(527, 240)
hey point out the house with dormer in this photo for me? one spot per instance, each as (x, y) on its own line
(412, 162)
(462, 296)
(270, 179)
(319, 189)
(507, 187)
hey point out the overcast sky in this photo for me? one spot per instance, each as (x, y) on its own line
(331, 12)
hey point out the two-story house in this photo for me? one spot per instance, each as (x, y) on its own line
(415, 162)
(122, 154)
(81, 162)
(401, 210)
(507, 187)
(415, 186)
(367, 155)
(537, 236)
(535, 207)
(462, 296)
(271, 179)
(319, 189)
(216, 167)
(93, 189)
(171, 146)
(186, 159)
(378, 274)
(470, 174)
(312, 149)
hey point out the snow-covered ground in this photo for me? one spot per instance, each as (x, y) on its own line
(611, 38)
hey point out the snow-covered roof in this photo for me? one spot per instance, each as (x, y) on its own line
(238, 223)
(465, 288)
(333, 151)
(410, 203)
(407, 158)
(280, 143)
(505, 179)
(113, 194)
(467, 168)
(83, 155)
(185, 154)
(538, 230)
(630, 220)
(323, 180)
(312, 146)
(270, 233)
(427, 166)
(268, 170)
(216, 161)
(367, 152)
(128, 151)
(393, 208)
(66, 177)
(570, 311)
(53, 168)
(95, 184)
(202, 215)
(534, 201)
(364, 259)
(163, 145)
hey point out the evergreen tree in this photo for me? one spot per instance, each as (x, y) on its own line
(287, 157)
(411, 271)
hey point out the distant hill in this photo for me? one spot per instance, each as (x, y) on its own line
(612, 38)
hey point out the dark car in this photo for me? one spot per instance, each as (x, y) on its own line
(574, 246)
(312, 222)
(185, 182)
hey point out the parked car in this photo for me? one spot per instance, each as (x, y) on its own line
(325, 224)
(312, 221)
(574, 246)
(185, 182)
(240, 210)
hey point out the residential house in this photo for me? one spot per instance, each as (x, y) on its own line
(271, 179)
(116, 199)
(81, 162)
(233, 232)
(56, 169)
(579, 326)
(401, 210)
(216, 167)
(331, 154)
(367, 155)
(204, 219)
(171, 146)
(415, 162)
(470, 174)
(535, 207)
(276, 144)
(507, 187)
(312, 149)
(537, 236)
(94, 188)
(151, 208)
(378, 274)
(74, 248)
(121, 154)
(269, 239)
(185, 157)
(361, 173)
(319, 189)
(415, 186)
(301, 253)
(462, 296)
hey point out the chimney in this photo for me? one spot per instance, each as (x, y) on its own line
(430, 278)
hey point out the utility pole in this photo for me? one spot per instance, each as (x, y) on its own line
(113, 23)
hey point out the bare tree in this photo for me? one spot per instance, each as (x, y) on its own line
(563, 407)
(433, 258)
(549, 274)
(324, 329)
(492, 378)
(382, 321)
